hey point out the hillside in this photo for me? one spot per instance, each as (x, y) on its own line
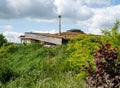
(36, 66)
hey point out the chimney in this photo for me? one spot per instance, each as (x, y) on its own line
(59, 16)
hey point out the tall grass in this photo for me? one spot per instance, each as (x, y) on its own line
(35, 66)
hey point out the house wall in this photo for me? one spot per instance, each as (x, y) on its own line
(44, 38)
(28, 41)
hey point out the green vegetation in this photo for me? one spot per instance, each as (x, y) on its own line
(81, 49)
(36, 66)
(112, 35)
(107, 71)
(2, 40)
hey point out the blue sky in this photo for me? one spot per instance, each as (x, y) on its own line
(115, 2)
(18, 16)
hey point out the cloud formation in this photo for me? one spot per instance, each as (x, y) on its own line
(73, 9)
(49, 9)
(11, 9)
(93, 14)
(12, 36)
(102, 18)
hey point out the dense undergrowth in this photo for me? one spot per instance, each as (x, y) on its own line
(81, 49)
(36, 66)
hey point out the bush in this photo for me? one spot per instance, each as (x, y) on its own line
(7, 49)
(107, 71)
(80, 49)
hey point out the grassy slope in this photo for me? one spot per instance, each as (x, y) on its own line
(35, 66)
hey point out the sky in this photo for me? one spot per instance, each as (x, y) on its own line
(91, 16)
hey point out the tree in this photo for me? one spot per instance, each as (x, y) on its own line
(2, 40)
(112, 35)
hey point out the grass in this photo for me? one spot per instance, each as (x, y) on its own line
(35, 66)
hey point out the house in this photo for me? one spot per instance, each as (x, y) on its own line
(49, 39)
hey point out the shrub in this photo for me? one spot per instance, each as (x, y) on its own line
(7, 49)
(107, 71)
(80, 49)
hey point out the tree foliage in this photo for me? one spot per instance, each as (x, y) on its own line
(112, 35)
(80, 50)
(2, 40)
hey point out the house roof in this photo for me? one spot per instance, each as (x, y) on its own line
(51, 38)
(67, 35)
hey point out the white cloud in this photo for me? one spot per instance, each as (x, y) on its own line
(11, 9)
(102, 18)
(49, 9)
(73, 9)
(12, 36)
(18, 5)
(94, 14)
